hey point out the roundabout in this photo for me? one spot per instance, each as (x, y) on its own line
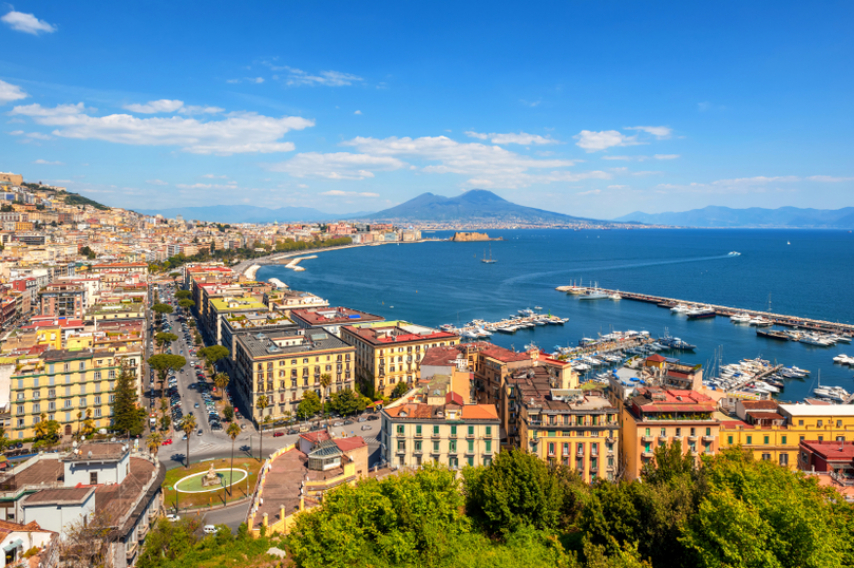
(195, 483)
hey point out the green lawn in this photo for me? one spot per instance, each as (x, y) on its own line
(211, 498)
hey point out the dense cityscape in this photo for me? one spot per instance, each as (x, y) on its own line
(138, 351)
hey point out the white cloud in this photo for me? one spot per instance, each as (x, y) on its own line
(358, 112)
(196, 109)
(339, 193)
(47, 163)
(830, 179)
(156, 182)
(666, 156)
(338, 165)
(27, 23)
(152, 107)
(214, 176)
(621, 158)
(522, 138)
(488, 166)
(17, 133)
(595, 141)
(660, 132)
(298, 77)
(257, 80)
(591, 192)
(236, 133)
(618, 187)
(229, 185)
(756, 180)
(10, 92)
(39, 136)
(645, 173)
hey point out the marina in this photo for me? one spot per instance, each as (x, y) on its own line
(699, 310)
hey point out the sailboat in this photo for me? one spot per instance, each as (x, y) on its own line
(488, 260)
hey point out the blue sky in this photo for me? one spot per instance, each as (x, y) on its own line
(588, 108)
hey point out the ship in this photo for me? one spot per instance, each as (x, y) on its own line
(772, 334)
(594, 294)
(488, 260)
(701, 313)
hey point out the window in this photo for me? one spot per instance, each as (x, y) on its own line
(767, 440)
(839, 423)
(820, 423)
(664, 432)
(489, 431)
(729, 440)
(435, 447)
(471, 430)
(452, 447)
(766, 457)
(435, 429)
(400, 428)
(784, 459)
(647, 432)
(750, 439)
(93, 478)
(418, 446)
(783, 440)
(453, 431)
(840, 438)
(708, 431)
(401, 445)
(800, 422)
(488, 448)
(418, 430)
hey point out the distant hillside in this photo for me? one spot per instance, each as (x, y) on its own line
(243, 214)
(77, 199)
(725, 217)
(472, 206)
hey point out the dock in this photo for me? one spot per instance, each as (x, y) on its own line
(726, 311)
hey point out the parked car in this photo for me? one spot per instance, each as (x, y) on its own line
(293, 431)
(200, 432)
(366, 427)
(339, 423)
(278, 434)
(210, 529)
(373, 417)
(348, 422)
(363, 419)
(172, 518)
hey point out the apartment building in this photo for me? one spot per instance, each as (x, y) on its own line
(656, 416)
(62, 383)
(284, 366)
(773, 432)
(563, 426)
(445, 431)
(391, 351)
(63, 300)
(330, 318)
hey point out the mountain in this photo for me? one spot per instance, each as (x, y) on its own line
(244, 214)
(754, 217)
(477, 205)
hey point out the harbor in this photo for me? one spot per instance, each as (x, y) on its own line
(760, 318)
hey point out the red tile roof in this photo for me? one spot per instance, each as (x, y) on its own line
(315, 437)
(350, 444)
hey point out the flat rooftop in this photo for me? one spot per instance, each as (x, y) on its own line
(395, 332)
(806, 410)
(284, 343)
(333, 315)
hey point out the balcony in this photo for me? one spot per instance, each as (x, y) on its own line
(611, 440)
(647, 439)
(708, 438)
(692, 438)
(435, 435)
(647, 454)
(418, 434)
(418, 451)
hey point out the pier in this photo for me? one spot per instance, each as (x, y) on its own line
(725, 311)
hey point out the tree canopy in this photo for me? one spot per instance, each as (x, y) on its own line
(161, 309)
(213, 353)
(347, 401)
(309, 405)
(128, 415)
(183, 294)
(164, 363)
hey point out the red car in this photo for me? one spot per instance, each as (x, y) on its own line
(167, 442)
(278, 434)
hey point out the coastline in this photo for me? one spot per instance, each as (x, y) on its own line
(256, 263)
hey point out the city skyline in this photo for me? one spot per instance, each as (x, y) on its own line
(592, 111)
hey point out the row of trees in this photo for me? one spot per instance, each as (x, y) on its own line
(255, 251)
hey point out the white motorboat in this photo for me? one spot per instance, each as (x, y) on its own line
(680, 309)
(759, 321)
(742, 318)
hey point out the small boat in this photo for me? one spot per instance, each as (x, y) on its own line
(759, 321)
(616, 296)
(701, 313)
(680, 309)
(507, 329)
(742, 318)
(538, 308)
(734, 253)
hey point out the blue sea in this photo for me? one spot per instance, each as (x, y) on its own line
(445, 282)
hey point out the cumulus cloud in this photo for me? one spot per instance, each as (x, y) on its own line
(358, 112)
(214, 176)
(38, 136)
(590, 192)
(338, 193)
(488, 166)
(236, 133)
(337, 165)
(666, 156)
(152, 107)
(830, 179)
(10, 92)
(27, 23)
(660, 132)
(47, 163)
(156, 182)
(593, 141)
(522, 138)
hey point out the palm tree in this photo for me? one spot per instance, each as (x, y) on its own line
(154, 440)
(188, 424)
(79, 416)
(221, 381)
(262, 403)
(325, 381)
(232, 431)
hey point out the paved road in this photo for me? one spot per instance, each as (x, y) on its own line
(217, 444)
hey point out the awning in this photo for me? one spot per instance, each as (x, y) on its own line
(13, 545)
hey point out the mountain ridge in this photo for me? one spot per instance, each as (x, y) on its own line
(714, 216)
(472, 206)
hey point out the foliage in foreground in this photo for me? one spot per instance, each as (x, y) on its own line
(731, 512)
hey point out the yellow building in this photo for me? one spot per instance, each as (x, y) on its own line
(657, 416)
(62, 383)
(389, 352)
(282, 366)
(564, 426)
(775, 435)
